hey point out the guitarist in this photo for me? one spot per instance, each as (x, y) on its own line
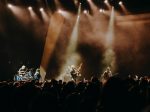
(75, 72)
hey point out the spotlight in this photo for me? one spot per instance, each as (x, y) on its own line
(30, 8)
(9, 6)
(85, 11)
(59, 11)
(78, 16)
(123, 8)
(101, 10)
(41, 9)
(106, 1)
(120, 3)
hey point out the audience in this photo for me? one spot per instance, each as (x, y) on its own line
(116, 95)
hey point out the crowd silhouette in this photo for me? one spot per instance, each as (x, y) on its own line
(116, 95)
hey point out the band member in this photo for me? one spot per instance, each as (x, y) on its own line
(75, 72)
(22, 71)
(37, 75)
(29, 74)
(106, 75)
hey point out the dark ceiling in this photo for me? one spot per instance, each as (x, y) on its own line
(134, 6)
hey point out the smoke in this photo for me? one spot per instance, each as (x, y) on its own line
(109, 59)
(109, 54)
(104, 40)
(132, 44)
(71, 57)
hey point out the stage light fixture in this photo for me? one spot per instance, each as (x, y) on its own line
(106, 1)
(101, 10)
(59, 11)
(120, 3)
(30, 8)
(85, 11)
(41, 9)
(9, 5)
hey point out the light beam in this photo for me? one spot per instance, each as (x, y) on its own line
(107, 4)
(72, 57)
(123, 7)
(93, 6)
(65, 14)
(109, 55)
(20, 13)
(110, 33)
(54, 29)
(44, 15)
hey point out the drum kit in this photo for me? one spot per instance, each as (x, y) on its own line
(25, 74)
